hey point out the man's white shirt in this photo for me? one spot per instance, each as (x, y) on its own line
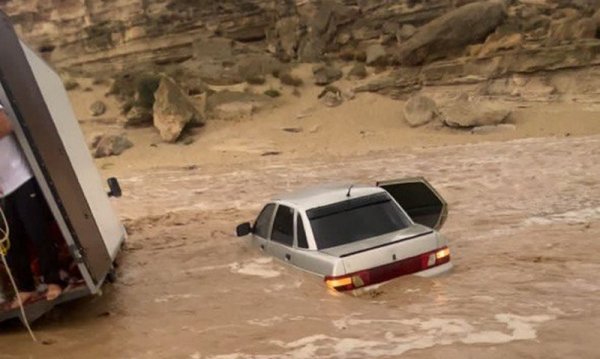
(14, 169)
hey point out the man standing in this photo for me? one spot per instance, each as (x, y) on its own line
(27, 215)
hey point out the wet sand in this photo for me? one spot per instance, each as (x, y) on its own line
(523, 227)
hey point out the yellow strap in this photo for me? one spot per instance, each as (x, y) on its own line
(4, 234)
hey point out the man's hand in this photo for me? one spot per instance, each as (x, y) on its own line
(5, 126)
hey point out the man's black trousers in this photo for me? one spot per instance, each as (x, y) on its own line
(28, 216)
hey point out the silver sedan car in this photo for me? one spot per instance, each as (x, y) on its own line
(356, 236)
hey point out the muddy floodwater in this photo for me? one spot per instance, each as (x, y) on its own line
(524, 230)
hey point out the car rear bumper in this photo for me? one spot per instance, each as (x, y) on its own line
(433, 262)
(431, 272)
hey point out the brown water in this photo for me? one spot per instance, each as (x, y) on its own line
(523, 227)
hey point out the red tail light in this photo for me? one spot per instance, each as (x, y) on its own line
(389, 271)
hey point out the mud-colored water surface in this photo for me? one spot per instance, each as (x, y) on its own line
(523, 227)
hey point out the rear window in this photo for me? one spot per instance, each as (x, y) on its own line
(355, 220)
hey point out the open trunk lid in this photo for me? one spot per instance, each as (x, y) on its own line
(419, 199)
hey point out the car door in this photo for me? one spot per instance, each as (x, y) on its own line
(262, 226)
(304, 257)
(419, 199)
(282, 236)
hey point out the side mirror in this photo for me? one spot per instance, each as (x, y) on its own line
(115, 188)
(243, 229)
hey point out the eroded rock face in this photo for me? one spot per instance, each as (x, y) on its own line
(322, 23)
(211, 43)
(499, 42)
(98, 36)
(572, 28)
(466, 25)
(173, 110)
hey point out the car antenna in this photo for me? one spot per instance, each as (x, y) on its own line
(349, 189)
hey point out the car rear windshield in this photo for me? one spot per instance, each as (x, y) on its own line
(356, 219)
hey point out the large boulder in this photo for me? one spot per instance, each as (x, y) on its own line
(465, 112)
(173, 110)
(326, 74)
(453, 31)
(420, 110)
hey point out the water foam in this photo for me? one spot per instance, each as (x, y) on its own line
(423, 334)
(259, 267)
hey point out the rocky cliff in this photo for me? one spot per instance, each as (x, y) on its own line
(231, 41)
(94, 34)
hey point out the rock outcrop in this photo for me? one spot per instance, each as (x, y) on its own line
(454, 31)
(212, 43)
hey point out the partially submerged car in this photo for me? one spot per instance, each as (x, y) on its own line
(356, 236)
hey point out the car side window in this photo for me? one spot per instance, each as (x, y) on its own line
(301, 233)
(283, 226)
(263, 221)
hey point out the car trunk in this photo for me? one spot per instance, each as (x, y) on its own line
(386, 249)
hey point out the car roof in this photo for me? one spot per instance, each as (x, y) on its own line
(323, 195)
